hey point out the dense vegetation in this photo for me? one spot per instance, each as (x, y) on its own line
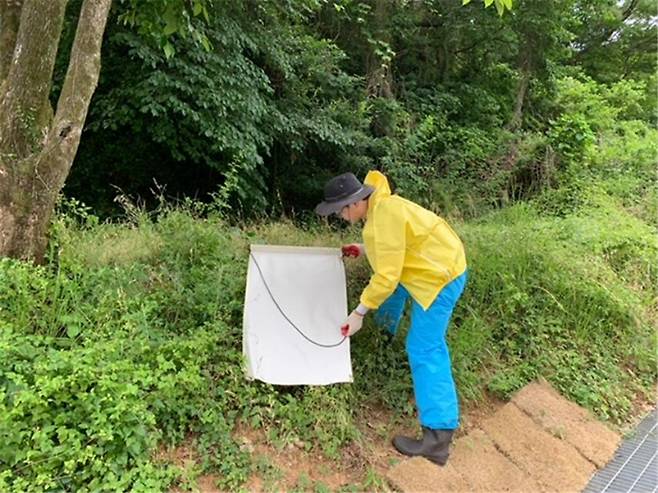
(533, 132)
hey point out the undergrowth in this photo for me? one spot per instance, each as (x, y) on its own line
(129, 340)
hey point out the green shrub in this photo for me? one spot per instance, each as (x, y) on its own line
(557, 298)
(129, 340)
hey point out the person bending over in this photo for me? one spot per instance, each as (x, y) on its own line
(413, 253)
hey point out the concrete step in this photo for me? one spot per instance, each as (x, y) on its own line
(555, 464)
(475, 465)
(486, 469)
(537, 442)
(568, 421)
(418, 475)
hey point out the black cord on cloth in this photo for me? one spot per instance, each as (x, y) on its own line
(260, 272)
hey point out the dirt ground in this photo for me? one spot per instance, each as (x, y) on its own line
(362, 466)
(539, 441)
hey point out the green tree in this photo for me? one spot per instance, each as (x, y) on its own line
(268, 99)
(543, 37)
(38, 142)
(616, 40)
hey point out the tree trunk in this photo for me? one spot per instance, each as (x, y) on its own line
(24, 107)
(379, 80)
(34, 166)
(521, 92)
(444, 59)
(10, 13)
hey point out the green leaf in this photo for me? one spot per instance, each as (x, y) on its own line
(205, 43)
(508, 4)
(500, 7)
(172, 21)
(466, 2)
(487, 3)
(170, 29)
(73, 330)
(197, 9)
(169, 50)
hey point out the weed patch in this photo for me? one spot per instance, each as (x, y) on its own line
(129, 340)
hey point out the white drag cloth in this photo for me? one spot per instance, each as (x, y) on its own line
(295, 303)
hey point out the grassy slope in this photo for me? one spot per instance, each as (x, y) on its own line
(132, 337)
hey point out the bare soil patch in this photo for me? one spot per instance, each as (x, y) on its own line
(362, 464)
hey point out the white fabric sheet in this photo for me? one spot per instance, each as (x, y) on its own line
(308, 284)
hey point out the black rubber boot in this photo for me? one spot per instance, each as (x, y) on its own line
(433, 446)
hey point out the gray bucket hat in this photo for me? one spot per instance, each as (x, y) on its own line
(340, 191)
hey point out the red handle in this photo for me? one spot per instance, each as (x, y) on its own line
(351, 251)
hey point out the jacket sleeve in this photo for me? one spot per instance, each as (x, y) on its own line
(390, 242)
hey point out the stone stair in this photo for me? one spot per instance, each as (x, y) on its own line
(537, 442)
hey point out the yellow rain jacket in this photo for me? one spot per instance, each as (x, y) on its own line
(407, 244)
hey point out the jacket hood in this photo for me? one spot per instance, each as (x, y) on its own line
(379, 182)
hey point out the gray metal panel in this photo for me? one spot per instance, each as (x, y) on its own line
(634, 468)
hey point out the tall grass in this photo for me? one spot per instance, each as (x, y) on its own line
(130, 338)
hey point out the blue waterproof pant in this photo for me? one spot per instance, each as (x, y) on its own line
(429, 357)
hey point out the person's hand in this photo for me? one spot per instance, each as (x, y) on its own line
(352, 325)
(352, 250)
